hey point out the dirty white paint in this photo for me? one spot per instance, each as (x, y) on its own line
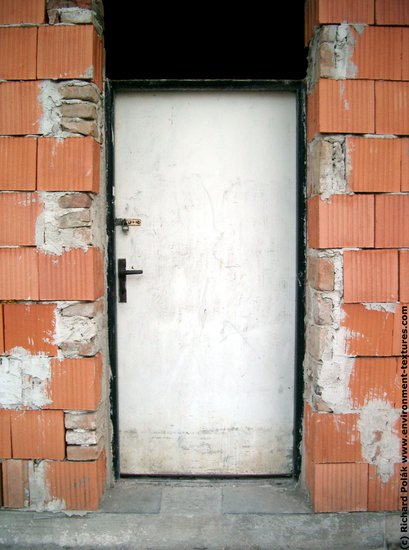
(24, 379)
(380, 439)
(206, 340)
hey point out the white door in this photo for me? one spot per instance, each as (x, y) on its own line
(206, 337)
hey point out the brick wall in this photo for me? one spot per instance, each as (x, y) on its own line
(358, 155)
(53, 404)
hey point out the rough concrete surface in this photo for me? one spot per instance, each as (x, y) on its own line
(201, 514)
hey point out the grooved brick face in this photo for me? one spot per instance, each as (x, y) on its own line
(78, 484)
(342, 106)
(18, 218)
(68, 51)
(336, 438)
(343, 221)
(370, 276)
(373, 378)
(75, 275)
(383, 495)
(18, 161)
(378, 53)
(20, 110)
(30, 326)
(18, 46)
(38, 434)
(340, 487)
(367, 331)
(397, 335)
(405, 53)
(404, 276)
(340, 11)
(72, 164)
(405, 165)
(5, 434)
(391, 221)
(374, 164)
(391, 12)
(22, 11)
(1, 330)
(15, 483)
(337, 11)
(76, 383)
(18, 274)
(392, 108)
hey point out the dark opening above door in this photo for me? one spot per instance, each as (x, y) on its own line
(205, 41)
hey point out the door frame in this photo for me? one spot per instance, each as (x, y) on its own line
(111, 88)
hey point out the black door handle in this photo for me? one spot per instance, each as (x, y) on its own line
(122, 273)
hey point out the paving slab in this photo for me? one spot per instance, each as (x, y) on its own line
(268, 498)
(191, 500)
(132, 497)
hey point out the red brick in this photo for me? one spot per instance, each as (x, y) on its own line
(391, 221)
(377, 53)
(78, 484)
(310, 19)
(343, 106)
(404, 276)
(391, 12)
(67, 51)
(89, 452)
(392, 108)
(398, 327)
(18, 46)
(343, 221)
(75, 275)
(374, 164)
(76, 383)
(20, 110)
(38, 434)
(405, 53)
(405, 164)
(336, 438)
(98, 61)
(30, 326)
(1, 330)
(383, 495)
(18, 274)
(22, 11)
(373, 378)
(320, 273)
(18, 161)
(368, 332)
(340, 487)
(370, 276)
(346, 11)
(5, 434)
(72, 164)
(15, 483)
(18, 217)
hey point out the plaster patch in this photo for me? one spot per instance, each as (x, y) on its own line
(37, 485)
(75, 328)
(50, 100)
(24, 379)
(388, 307)
(379, 439)
(333, 380)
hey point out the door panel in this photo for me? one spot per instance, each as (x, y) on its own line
(206, 337)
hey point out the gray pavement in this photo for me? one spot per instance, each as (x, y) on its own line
(201, 514)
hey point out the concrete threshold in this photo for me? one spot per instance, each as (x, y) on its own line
(201, 514)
